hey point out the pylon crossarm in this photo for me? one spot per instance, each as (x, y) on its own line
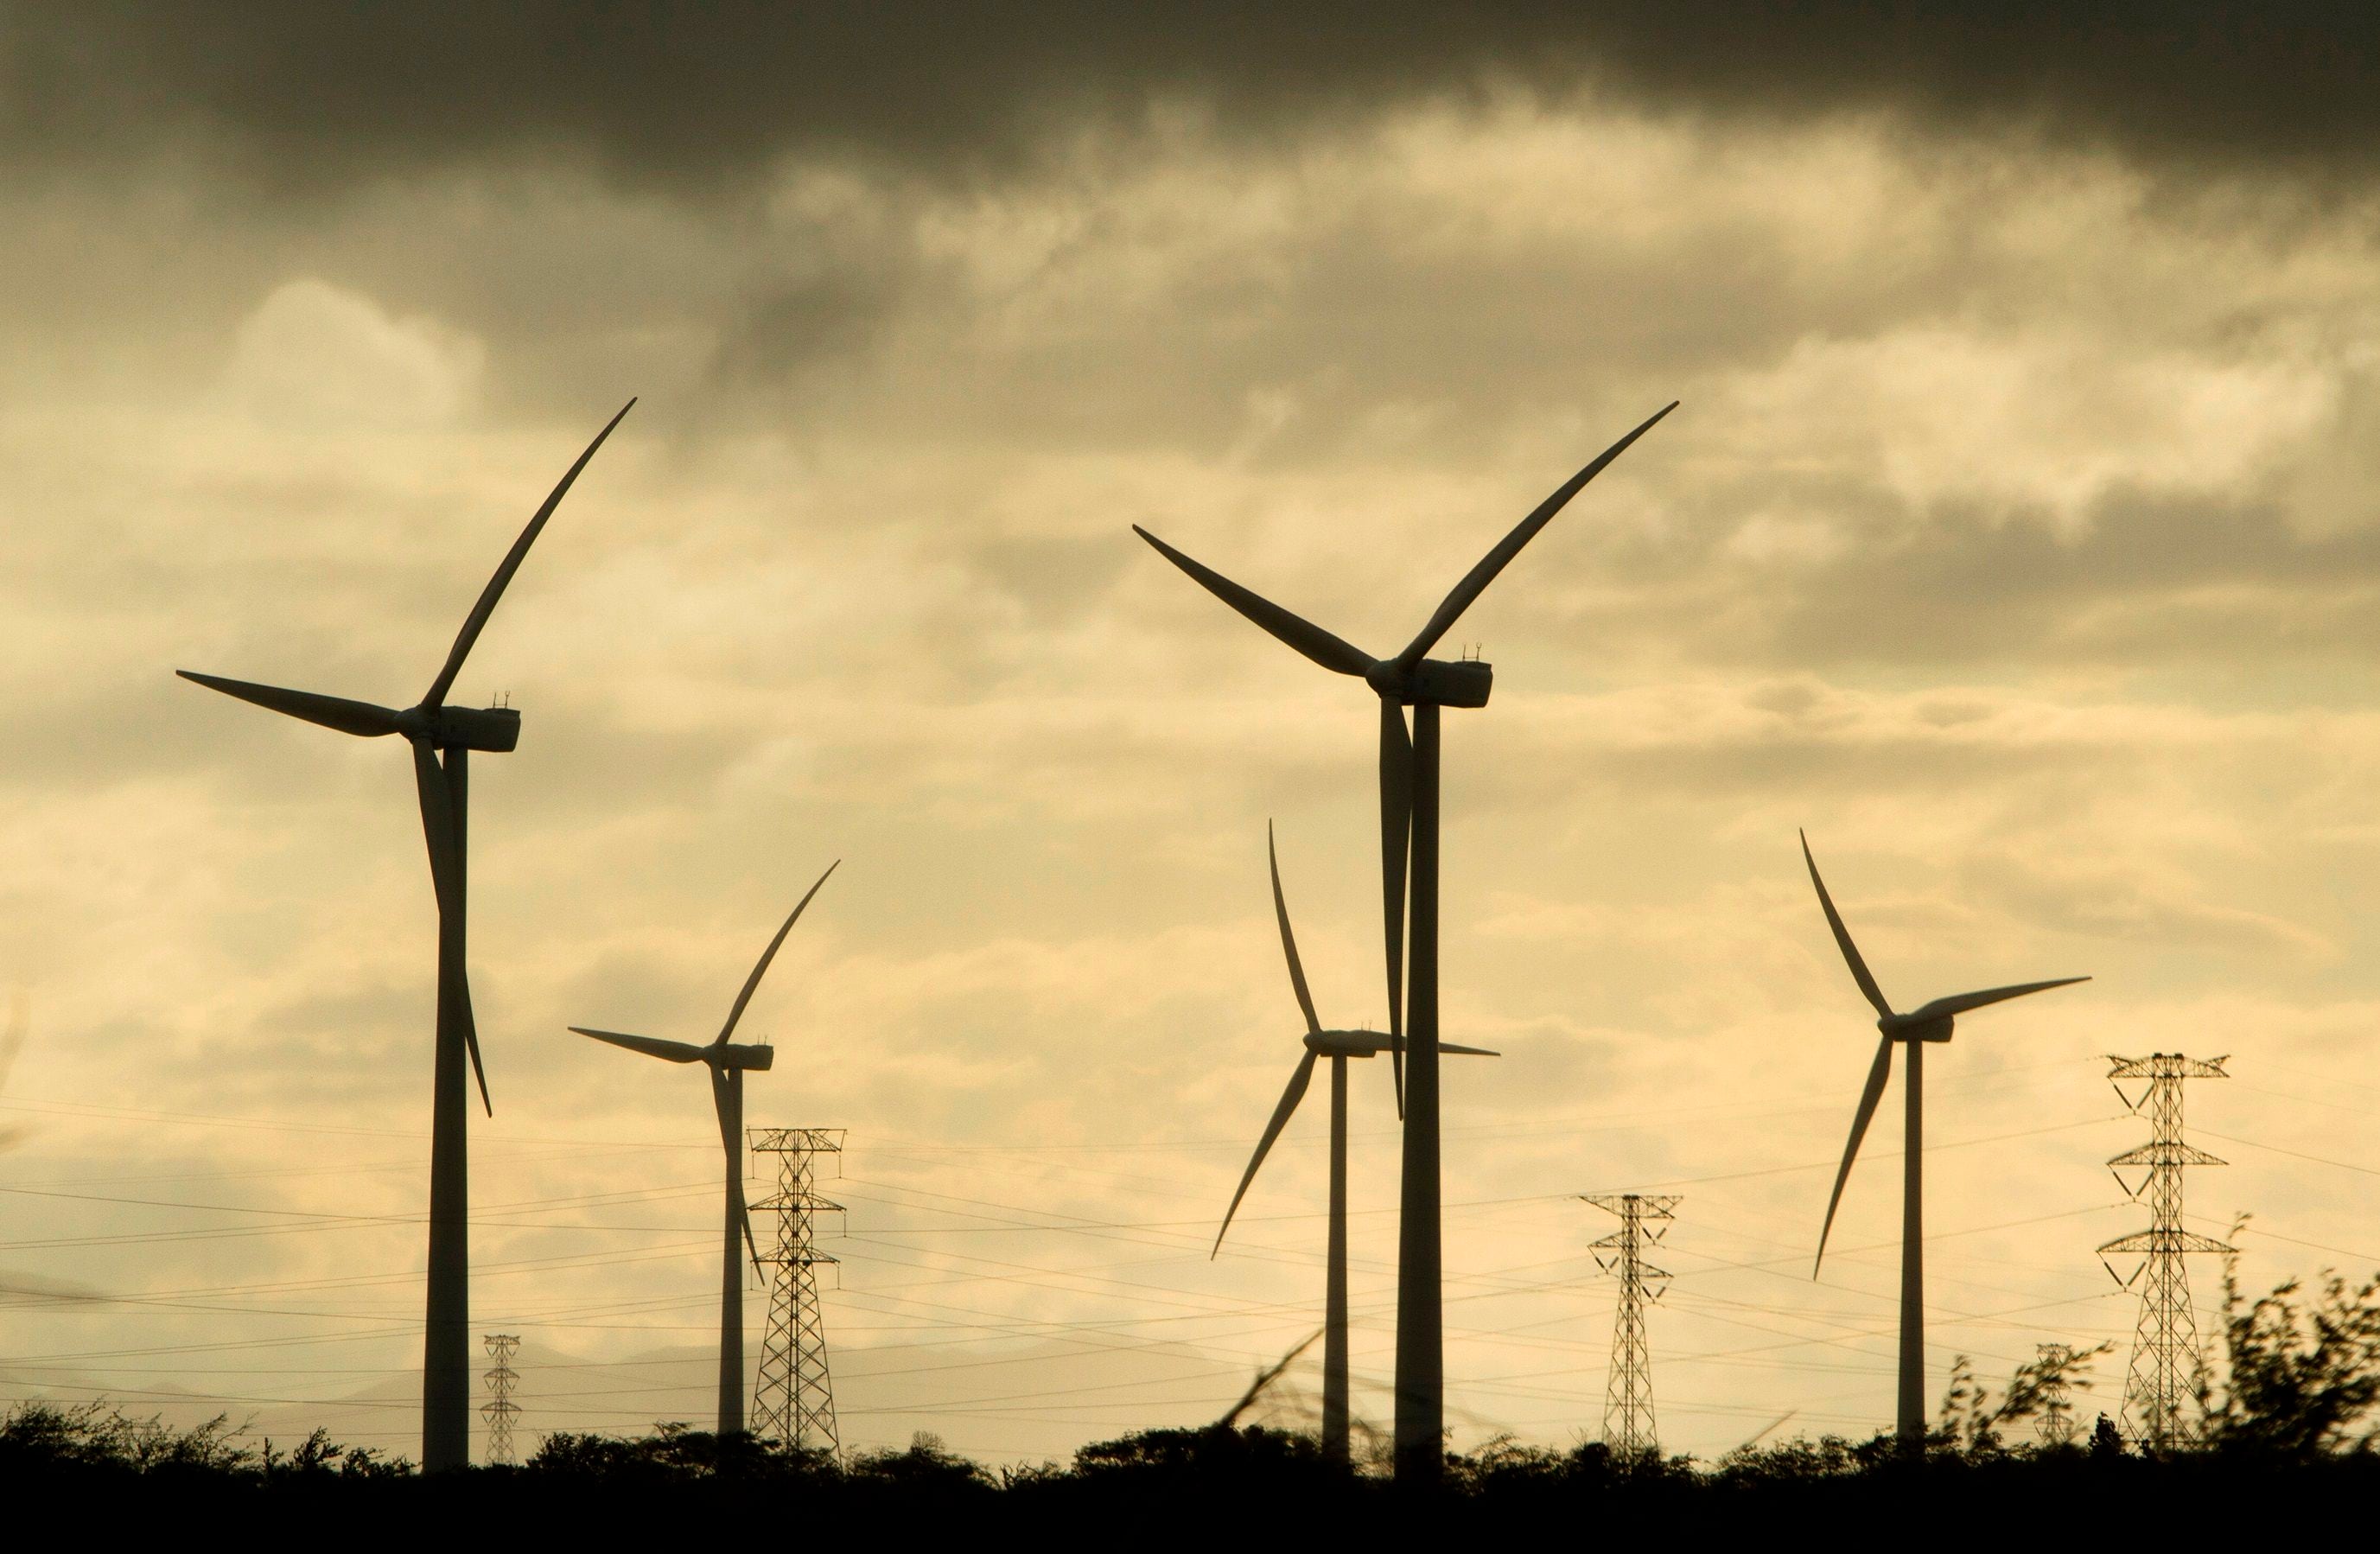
(2166, 1240)
(2165, 1152)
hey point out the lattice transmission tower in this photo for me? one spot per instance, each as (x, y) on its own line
(2160, 1393)
(1628, 1394)
(499, 1409)
(792, 1399)
(2056, 1360)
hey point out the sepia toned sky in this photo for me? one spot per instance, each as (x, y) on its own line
(2015, 535)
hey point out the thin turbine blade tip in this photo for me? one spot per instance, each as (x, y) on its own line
(1851, 958)
(1289, 941)
(760, 967)
(477, 620)
(1285, 626)
(1474, 582)
(1879, 1074)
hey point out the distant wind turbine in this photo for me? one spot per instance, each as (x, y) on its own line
(1338, 1046)
(727, 1061)
(1929, 1022)
(1409, 796)
(442, 738)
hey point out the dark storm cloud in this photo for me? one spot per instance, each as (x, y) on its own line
(310, 96)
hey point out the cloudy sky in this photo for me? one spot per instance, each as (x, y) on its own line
(2014, 537)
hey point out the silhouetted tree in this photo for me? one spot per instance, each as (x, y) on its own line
(2302, 1375)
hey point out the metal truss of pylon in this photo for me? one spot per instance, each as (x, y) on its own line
(2161, 1392)
(1628, 1394)
(500, 1409)
(2056, 1360)
(792, 1399)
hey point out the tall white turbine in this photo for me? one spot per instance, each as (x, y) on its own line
(728, 1063)
(1338, 1046)
(1929, 1022)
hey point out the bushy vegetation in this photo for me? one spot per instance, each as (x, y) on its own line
(2291, 1408)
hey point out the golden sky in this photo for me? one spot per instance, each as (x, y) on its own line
(2014, 537)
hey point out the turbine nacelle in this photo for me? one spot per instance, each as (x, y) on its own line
(1919, 1026)
(1433, 682)
(757, 1057)
(493, 729)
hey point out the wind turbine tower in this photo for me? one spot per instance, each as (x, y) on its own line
(442, 737)
(1913, 1029)
(728, 1063)
(793, 1401)
(2161, 1394)
(1409, 806)
(1628, 1393)
(1338, 1046)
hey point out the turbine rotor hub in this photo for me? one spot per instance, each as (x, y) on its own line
(1909, 1027)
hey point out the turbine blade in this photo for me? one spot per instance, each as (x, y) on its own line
(1330, 652)
(1281, 1115)
(1288, 940)
(1476, 581)
(1844, 936)
(1396, 836)
(361, 718)
(1468, 1051)
(1958, 1004)
(651, 1046)
(471, 1036)
(728, 1104)
(769, 955)
(445, 874)
(1878, 1073)
(437, 821)
(743, 1213)
(477, 619)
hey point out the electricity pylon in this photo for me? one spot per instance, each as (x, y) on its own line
(499, 1410)
(2057, 1426)
(2163, 1382)
(792, 1399)
(1628, 1394)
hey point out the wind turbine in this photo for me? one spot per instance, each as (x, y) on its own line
(728, 1063)
(1409, 796)
(442, 737)
(1338, 1046)
(1929, 1022)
